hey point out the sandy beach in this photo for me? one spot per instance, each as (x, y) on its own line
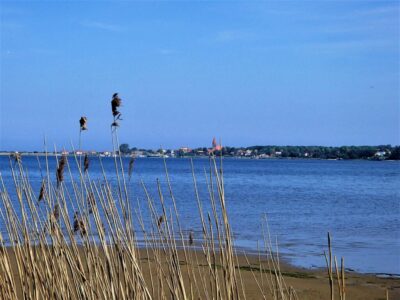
(308, 284)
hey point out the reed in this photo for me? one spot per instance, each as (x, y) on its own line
(340, 274)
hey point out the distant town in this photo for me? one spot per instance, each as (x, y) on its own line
(381, 152)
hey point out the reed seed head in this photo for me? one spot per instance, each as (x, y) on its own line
(79, 224)
(60, 170)
(56, 212)
(83, 123)
(160, 221)
(130, 169)
(91, 202)
(17, 157)
(115, 103)
(191, 240)
(82, 227)
(86, 163)
(76, 222)
(41, 193)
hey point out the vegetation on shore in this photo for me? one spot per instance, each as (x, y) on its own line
(381, 152)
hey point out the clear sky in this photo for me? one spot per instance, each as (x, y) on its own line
(250, 73)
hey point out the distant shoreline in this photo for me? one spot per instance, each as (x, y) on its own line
(52, 154)
(379, 152)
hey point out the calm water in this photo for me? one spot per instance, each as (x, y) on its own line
(357, 201)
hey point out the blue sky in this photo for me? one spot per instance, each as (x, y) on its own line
(286, 73)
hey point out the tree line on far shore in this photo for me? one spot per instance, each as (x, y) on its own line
(380, 152)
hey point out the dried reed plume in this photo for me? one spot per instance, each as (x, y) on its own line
(79, 224)
(91, 200)
(56, 212)
(76, 222)
(191, 240)
(41, 193)
(16, 156)
(115, 103)
(60, 170)
(160, 221)
(83, 123)
(86, 163)
(130, 169)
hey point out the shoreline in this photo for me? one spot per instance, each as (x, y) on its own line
(51, 154)
(251, 253)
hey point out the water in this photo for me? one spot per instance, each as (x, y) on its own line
(356, 201)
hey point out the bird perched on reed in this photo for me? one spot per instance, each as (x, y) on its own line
(83, 123)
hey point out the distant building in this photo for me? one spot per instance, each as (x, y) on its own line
(248, 153)
(185, 149)
(138, 153)
(380, 153)
(240, 152)
(215, 146)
